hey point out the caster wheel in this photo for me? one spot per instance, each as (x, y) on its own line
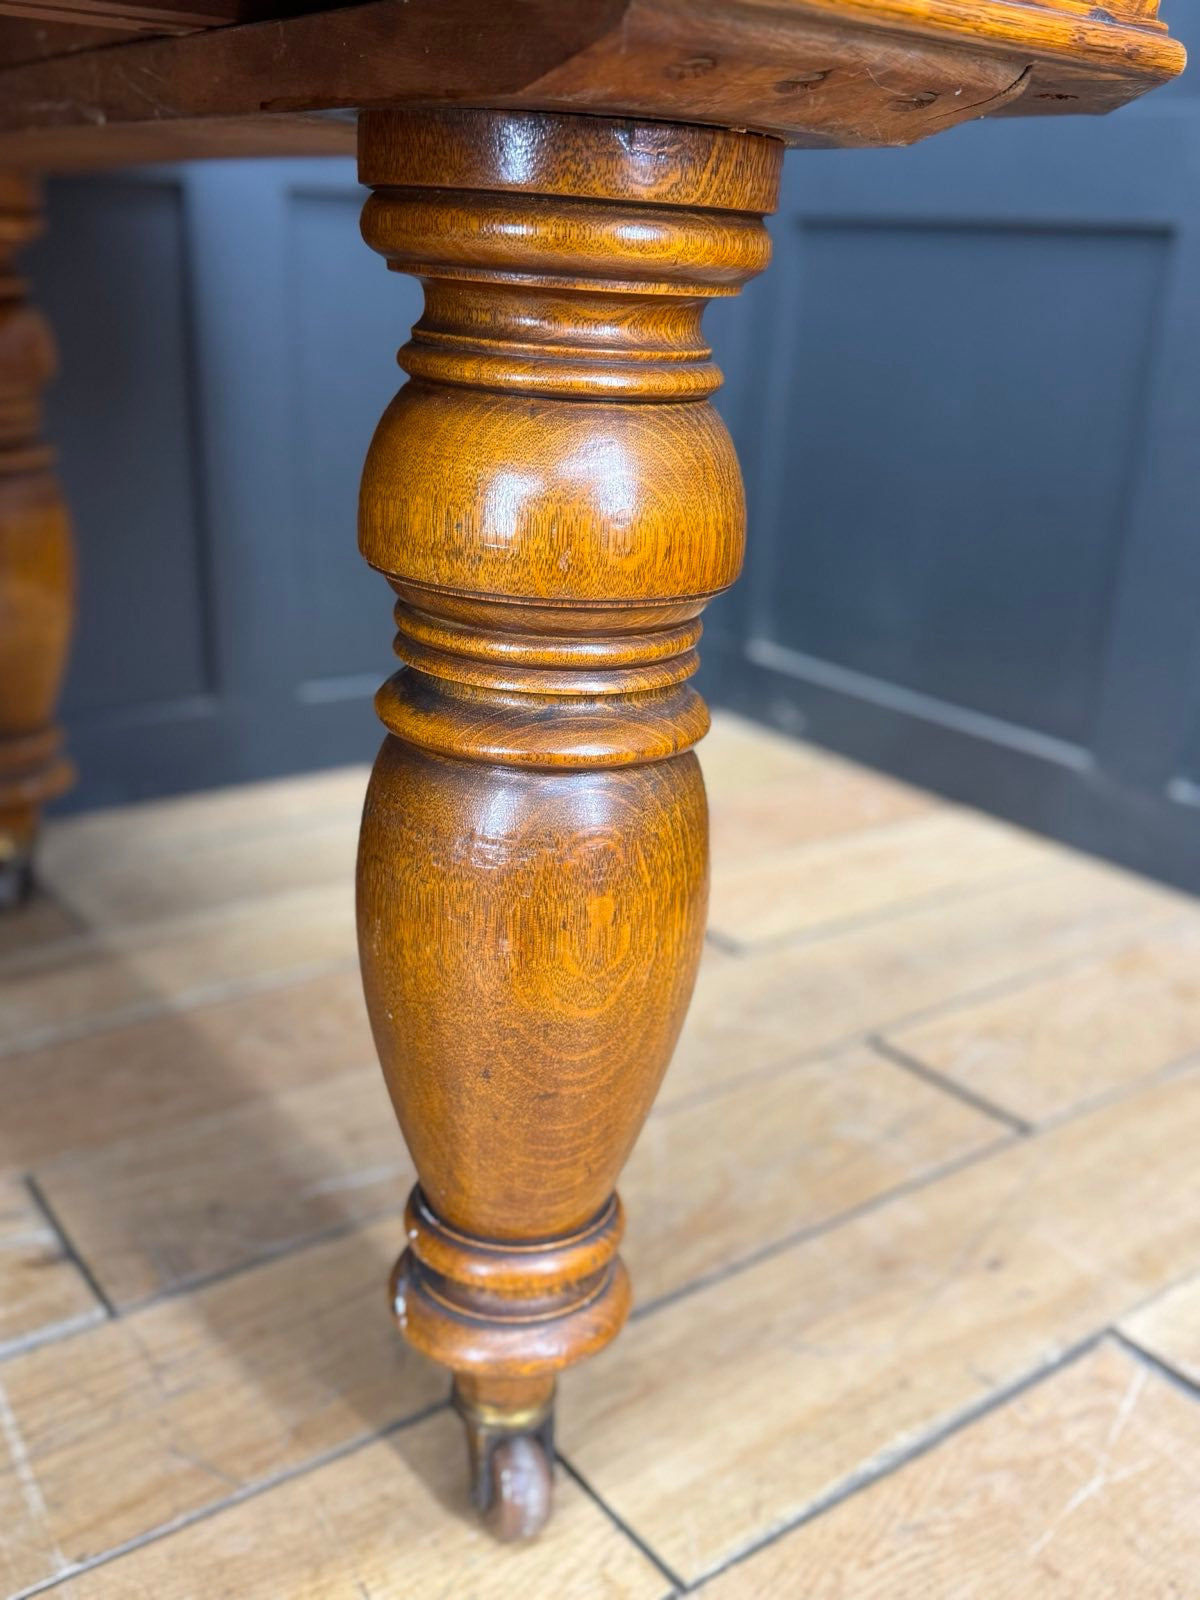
(520, 1488)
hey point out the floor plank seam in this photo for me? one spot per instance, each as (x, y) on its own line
(728, 1269)
(998, 989)
(886, 1465)
(815, 1230)
(80, 926)
(1059, 967)
(341, 1230)
(1166, 925)
(54, 954)
(92, 939)
(957, 1091)
(896, 911)
(251, 1491)
(1062, 921)
(197, 837)
(179, 1003)
(53, 1333)
(678, 1586)
(68, 1246)
(1154, 1078)
(207, 1280)
(1170, 1374)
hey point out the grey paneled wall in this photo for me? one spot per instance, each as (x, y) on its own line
(228, 345)
(967, 398)
(335, 345)
(978, 523)
(124, 421)
(973, 473)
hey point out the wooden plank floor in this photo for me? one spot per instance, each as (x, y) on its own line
(914, 1227)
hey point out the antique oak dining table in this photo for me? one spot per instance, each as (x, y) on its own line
(553, 500)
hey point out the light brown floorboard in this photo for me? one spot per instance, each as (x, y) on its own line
(1057, 1043)
(389, 1522)
(1169, 1328)
(39, 925)
(215, 1193)
(127, 1427)
(191, 1080)
(801, 998)
(42, 1291)
(869, 873)
(107, 979)
(712, 1181)
(827, 1359)
(150, 1215)
(739, 756)
(158, 1074)
(1086, 1484)
(828, 798)
(112, 889)
(210, 817)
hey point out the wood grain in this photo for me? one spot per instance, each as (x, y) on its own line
(750, 1013)
(216, 1193)
(39, 923)
(554, 499)
(155, 967)
(219, 1192)
(151, 885)
(828, 799)
(1086, 1484)
(870, 872)
(777, 1379)
(42, 1292)
(1075, 1036)
(387, 1522)
(36, 560)
(815, 72)
(134, 1424)
(1169, 1328)
(824, 1360)
(170, 1069)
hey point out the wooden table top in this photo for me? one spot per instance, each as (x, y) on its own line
(95, 82)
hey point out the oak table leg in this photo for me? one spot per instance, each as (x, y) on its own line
(553, 499)
(36, 568)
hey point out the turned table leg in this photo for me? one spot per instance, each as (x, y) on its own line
(36, 573)
(553, 499)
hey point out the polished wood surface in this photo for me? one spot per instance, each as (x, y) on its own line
(36, 573)
(812, 72)
(247, 1424)
(553, 498)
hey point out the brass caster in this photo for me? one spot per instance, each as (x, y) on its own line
(511, 1458)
